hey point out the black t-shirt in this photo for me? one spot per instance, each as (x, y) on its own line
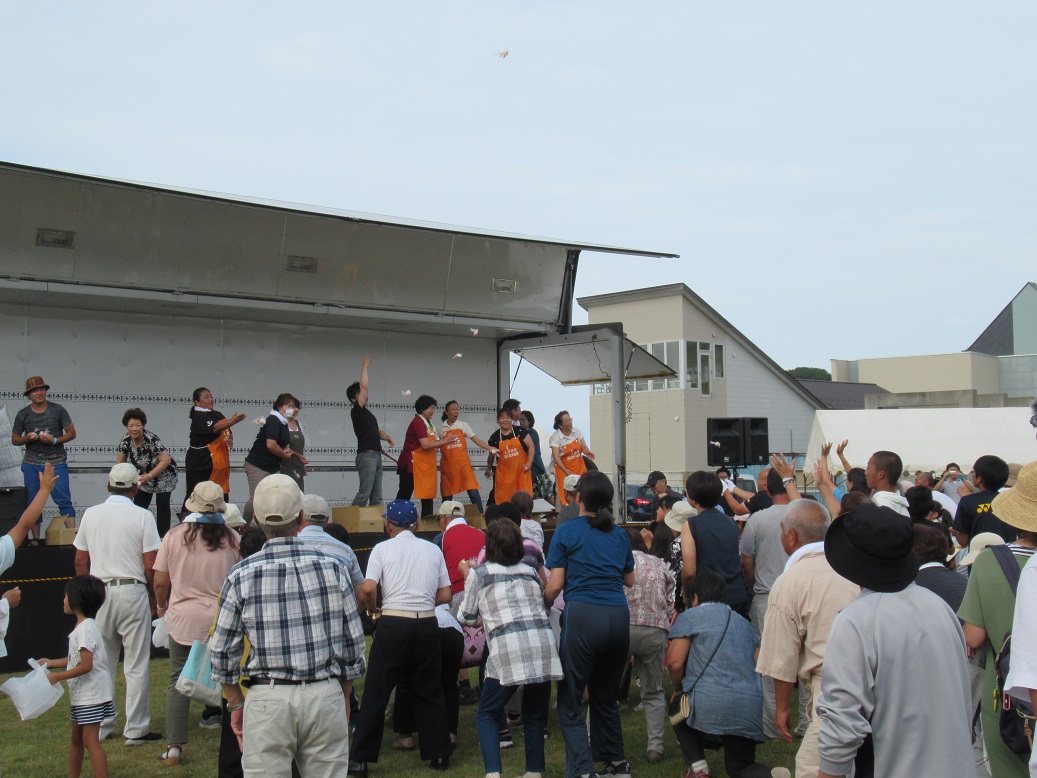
(365, 426)
(759, 501)
(975, 516)
(260, 455)
(517, 432)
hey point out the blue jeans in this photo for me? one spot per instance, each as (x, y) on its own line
(492, 699)
(369, 468)
(62, 494)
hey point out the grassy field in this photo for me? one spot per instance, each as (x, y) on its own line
(39, 748)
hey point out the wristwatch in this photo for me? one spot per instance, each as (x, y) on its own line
(787, 481)
(239, 706)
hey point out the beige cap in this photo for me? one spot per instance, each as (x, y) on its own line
(207, 497)
(679, 515)
(277, 500)
(316, 508)
(978, 543)
(123, 476)
(232, 516)
(451, 508)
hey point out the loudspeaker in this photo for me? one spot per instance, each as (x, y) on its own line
(754, 438)
(724, 442)
(13, 501)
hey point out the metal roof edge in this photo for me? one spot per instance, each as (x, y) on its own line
(652, 292)
(328, 212)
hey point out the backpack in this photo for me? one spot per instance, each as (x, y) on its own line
(1016, 717)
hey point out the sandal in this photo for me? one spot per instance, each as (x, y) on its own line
(171, 756)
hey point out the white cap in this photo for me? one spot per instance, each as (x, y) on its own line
(123, 476)
(277, 500)
(232, 516)
(569, 484)
(451, 508)
(316, 508)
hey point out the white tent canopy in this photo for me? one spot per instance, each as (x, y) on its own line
(926, 438)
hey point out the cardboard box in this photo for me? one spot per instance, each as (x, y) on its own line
(57, 535)
(428, 524)
(359, 519)
(474, 517)
(348, 517)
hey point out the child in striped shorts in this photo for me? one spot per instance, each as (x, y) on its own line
(89, 683)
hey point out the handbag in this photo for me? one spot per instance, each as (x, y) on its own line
(474, 646)
(195, 681)
(680, 707)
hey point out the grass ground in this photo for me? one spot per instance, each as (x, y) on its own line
(39, 748)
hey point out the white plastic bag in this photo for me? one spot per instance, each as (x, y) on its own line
(32, 694)
(160, 637)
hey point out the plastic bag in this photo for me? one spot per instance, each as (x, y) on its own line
(160, 637)
(32, 694)
(195, 679)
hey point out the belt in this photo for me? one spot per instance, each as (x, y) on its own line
(264, 680)
(123, 582)
(369, 451)
(409, 614)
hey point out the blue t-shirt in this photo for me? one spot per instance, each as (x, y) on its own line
(594, 561)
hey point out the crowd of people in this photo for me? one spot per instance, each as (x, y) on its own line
(889, 613)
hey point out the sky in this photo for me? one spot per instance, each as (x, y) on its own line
(840, 180)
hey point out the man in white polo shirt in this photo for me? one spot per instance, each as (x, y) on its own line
(118, 542)
(414, 580)
(316, 513)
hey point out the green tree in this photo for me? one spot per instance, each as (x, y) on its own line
(810, 373)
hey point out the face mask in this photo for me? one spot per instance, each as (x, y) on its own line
(289, 413)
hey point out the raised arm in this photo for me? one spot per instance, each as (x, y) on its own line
(361, 398)
(847, 467)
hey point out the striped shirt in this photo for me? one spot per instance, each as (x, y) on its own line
(335, 547)
(510, 602)
(297, 607)
(410, 571)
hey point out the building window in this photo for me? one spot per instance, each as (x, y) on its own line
(718, 361)
(668, 353)
(704, 369)
(601, 388)
(691, 378)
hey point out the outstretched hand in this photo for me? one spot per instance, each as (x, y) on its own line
(826, 449)
(841, 447)
(782, 467)
(47, 478)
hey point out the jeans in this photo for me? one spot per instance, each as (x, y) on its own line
(369, 468)
(473, 495)
(62, 494)
(163, 514)
(177, 705)
(492, 699)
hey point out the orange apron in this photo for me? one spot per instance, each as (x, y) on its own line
(455, 469)
(572, 457)
(425, 471)
(510, 476)
(220, 452)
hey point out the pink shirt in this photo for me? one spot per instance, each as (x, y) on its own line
(196, 577)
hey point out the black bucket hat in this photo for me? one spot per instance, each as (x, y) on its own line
(871, 546)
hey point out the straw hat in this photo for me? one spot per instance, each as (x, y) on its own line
(1018, 506)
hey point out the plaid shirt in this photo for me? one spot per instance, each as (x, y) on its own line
(510, 602)
(296, 605)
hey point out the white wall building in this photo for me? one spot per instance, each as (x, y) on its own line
(721, 373)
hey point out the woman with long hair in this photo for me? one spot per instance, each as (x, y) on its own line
(590, 558)
(190, 570)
